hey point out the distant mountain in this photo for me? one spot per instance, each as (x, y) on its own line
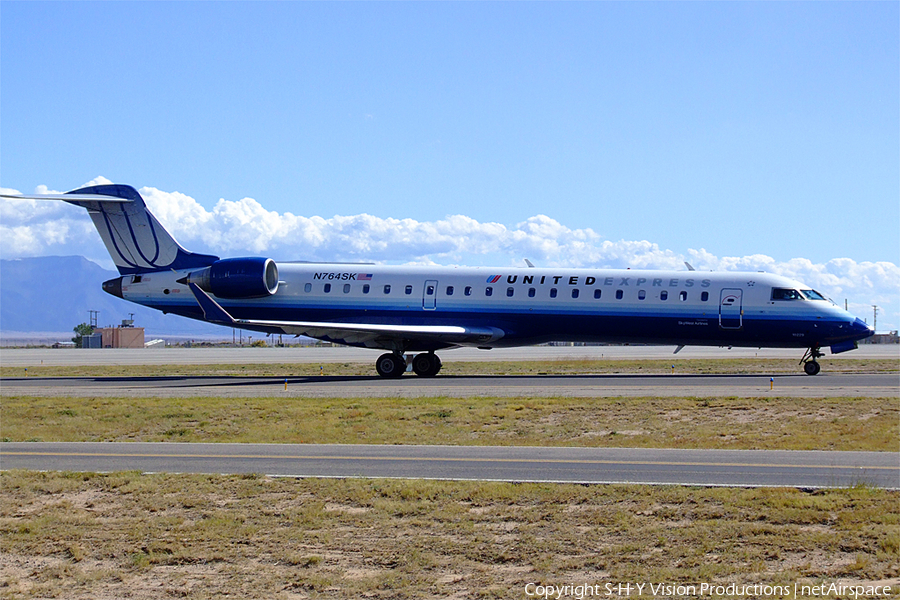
(55, 293)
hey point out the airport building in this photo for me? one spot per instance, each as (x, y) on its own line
(125, 335)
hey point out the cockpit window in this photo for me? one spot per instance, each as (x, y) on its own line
(813, 295)
(786, 294)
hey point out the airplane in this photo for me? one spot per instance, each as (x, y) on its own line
(415, 309)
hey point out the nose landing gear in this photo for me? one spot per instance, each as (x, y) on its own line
(810, 365)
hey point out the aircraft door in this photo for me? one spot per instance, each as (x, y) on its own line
(730, 309)
(429, 295)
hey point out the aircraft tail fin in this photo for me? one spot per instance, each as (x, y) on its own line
(136, 241)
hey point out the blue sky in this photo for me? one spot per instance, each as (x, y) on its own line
(729, 130)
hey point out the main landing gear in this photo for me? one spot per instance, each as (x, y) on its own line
(810, 365)
(392, 365)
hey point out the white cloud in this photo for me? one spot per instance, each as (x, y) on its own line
(41, 227)
(246, 227)
(97, 181)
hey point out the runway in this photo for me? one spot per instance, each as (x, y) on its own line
(31, 357)
(755, 385)
(737, 468)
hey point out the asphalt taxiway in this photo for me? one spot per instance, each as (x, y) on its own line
(738, 468)
(32, 357)
(792, 385)
(333, 383)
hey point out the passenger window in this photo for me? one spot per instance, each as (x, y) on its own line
(365, 288)
(489, 291)
(346, 288)
(531, 292)
(553, 292)
(642, 294)
(449, 290)
(509, 292)
(619, 294)
(429, 291)
(327, 288)
(704, 296)
(574, 292)
(387, 289)
(307, 288)
(664, 295)
(597, 294)
(408, 290)
(468, 290)
(682, 295)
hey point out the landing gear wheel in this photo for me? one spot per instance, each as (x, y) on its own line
(810, 365)
(390, 365)
(426, 365)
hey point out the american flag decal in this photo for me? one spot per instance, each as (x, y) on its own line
(364, 277)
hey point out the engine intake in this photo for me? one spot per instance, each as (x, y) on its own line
(237, 278)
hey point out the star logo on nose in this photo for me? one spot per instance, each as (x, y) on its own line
(751, 283)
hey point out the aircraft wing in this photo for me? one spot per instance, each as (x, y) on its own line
(374, 335)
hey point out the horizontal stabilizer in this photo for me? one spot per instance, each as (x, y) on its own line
(66, 197)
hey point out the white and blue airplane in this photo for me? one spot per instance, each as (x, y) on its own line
(406, 309)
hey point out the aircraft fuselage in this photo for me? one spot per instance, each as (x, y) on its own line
(534, 305)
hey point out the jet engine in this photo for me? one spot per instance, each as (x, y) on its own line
(237, 278)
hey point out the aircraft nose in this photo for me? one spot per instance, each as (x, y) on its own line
(860, 328)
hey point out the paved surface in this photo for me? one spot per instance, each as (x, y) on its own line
(823, 385)
(584, 465)
(26, 357)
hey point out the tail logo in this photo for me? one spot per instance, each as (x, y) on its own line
(136, 241)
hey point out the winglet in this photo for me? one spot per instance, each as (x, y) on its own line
(211, 310)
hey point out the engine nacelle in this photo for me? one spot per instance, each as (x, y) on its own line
(238, 278)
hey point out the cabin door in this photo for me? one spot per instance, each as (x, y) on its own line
(429, 295)
(730, 309)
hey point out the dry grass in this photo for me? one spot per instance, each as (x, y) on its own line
(724, 366)
(734, 423)
(191, 536)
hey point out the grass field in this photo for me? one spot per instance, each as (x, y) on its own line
(554, 367)
(733, 423)
(191, 536)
